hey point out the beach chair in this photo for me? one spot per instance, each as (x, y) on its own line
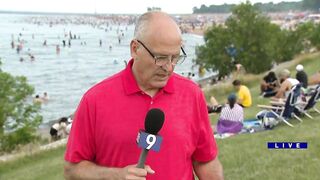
(310, 104)
(285, 111)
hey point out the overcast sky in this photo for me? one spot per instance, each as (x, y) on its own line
(112, 6)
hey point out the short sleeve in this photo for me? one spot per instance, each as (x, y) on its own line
(81, 140)
(241, 94)
(206, 147)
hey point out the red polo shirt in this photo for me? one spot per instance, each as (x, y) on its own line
(112, 112)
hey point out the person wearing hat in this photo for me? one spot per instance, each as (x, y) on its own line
(286, 84)
(231, 117)
(302, 76)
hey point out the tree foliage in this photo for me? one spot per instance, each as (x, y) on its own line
(213, 55)
(19, 118)
(311, 4)
(265, 7)
(315, 36)
(253, 34)
(257, 42)
(246, 30)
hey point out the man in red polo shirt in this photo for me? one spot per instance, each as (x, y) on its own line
(102, 142)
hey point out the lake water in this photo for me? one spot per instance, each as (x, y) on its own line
(68, 75)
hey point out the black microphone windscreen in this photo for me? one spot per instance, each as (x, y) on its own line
(154, 121)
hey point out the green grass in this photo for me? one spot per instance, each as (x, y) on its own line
(243, 156)
(46, 165)
(246, 156)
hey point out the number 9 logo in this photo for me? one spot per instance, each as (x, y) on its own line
(151, 139)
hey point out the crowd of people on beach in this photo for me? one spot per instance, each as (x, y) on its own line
(22, 41)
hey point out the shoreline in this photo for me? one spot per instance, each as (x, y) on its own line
(31, 149)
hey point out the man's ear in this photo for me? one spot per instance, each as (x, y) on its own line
(133, 49)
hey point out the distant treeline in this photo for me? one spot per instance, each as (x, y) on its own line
(264, 7)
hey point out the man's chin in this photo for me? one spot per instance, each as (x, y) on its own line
(160, 84)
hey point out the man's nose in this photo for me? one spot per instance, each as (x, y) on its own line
(168, 66)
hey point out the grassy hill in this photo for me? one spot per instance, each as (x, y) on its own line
(243, 156)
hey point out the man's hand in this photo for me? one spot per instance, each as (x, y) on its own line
(89, 170)
(131, 172)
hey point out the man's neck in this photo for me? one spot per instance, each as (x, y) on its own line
(150, 92)
(144, 87)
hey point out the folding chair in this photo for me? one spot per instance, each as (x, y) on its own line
(284, 111)
(310, 104)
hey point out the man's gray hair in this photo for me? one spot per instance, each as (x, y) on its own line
(142, 24)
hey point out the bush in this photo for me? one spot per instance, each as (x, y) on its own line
(249, 38)
(21, 136)
(19, 118)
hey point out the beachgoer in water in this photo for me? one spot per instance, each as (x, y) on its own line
(37, 99)
(45, 97)
(12, 44)
(57, 49)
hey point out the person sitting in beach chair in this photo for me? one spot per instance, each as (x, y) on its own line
(231, 117)
(311, 102)
(286, 85)
(302, 76)
(284, 110)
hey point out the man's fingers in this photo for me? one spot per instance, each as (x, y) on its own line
(134, 173)
(137, 171)
(133, 177)
(149, 170)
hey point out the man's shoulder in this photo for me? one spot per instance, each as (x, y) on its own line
(244, 88)
(183, 82)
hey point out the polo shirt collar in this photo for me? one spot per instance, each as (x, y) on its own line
(131, 86)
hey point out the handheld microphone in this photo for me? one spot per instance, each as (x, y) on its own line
(153, 123)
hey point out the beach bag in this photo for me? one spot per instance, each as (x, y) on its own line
(268, 118)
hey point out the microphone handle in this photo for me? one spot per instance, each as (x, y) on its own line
(142, 158)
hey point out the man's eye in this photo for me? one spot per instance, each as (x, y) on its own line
(162, 58)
